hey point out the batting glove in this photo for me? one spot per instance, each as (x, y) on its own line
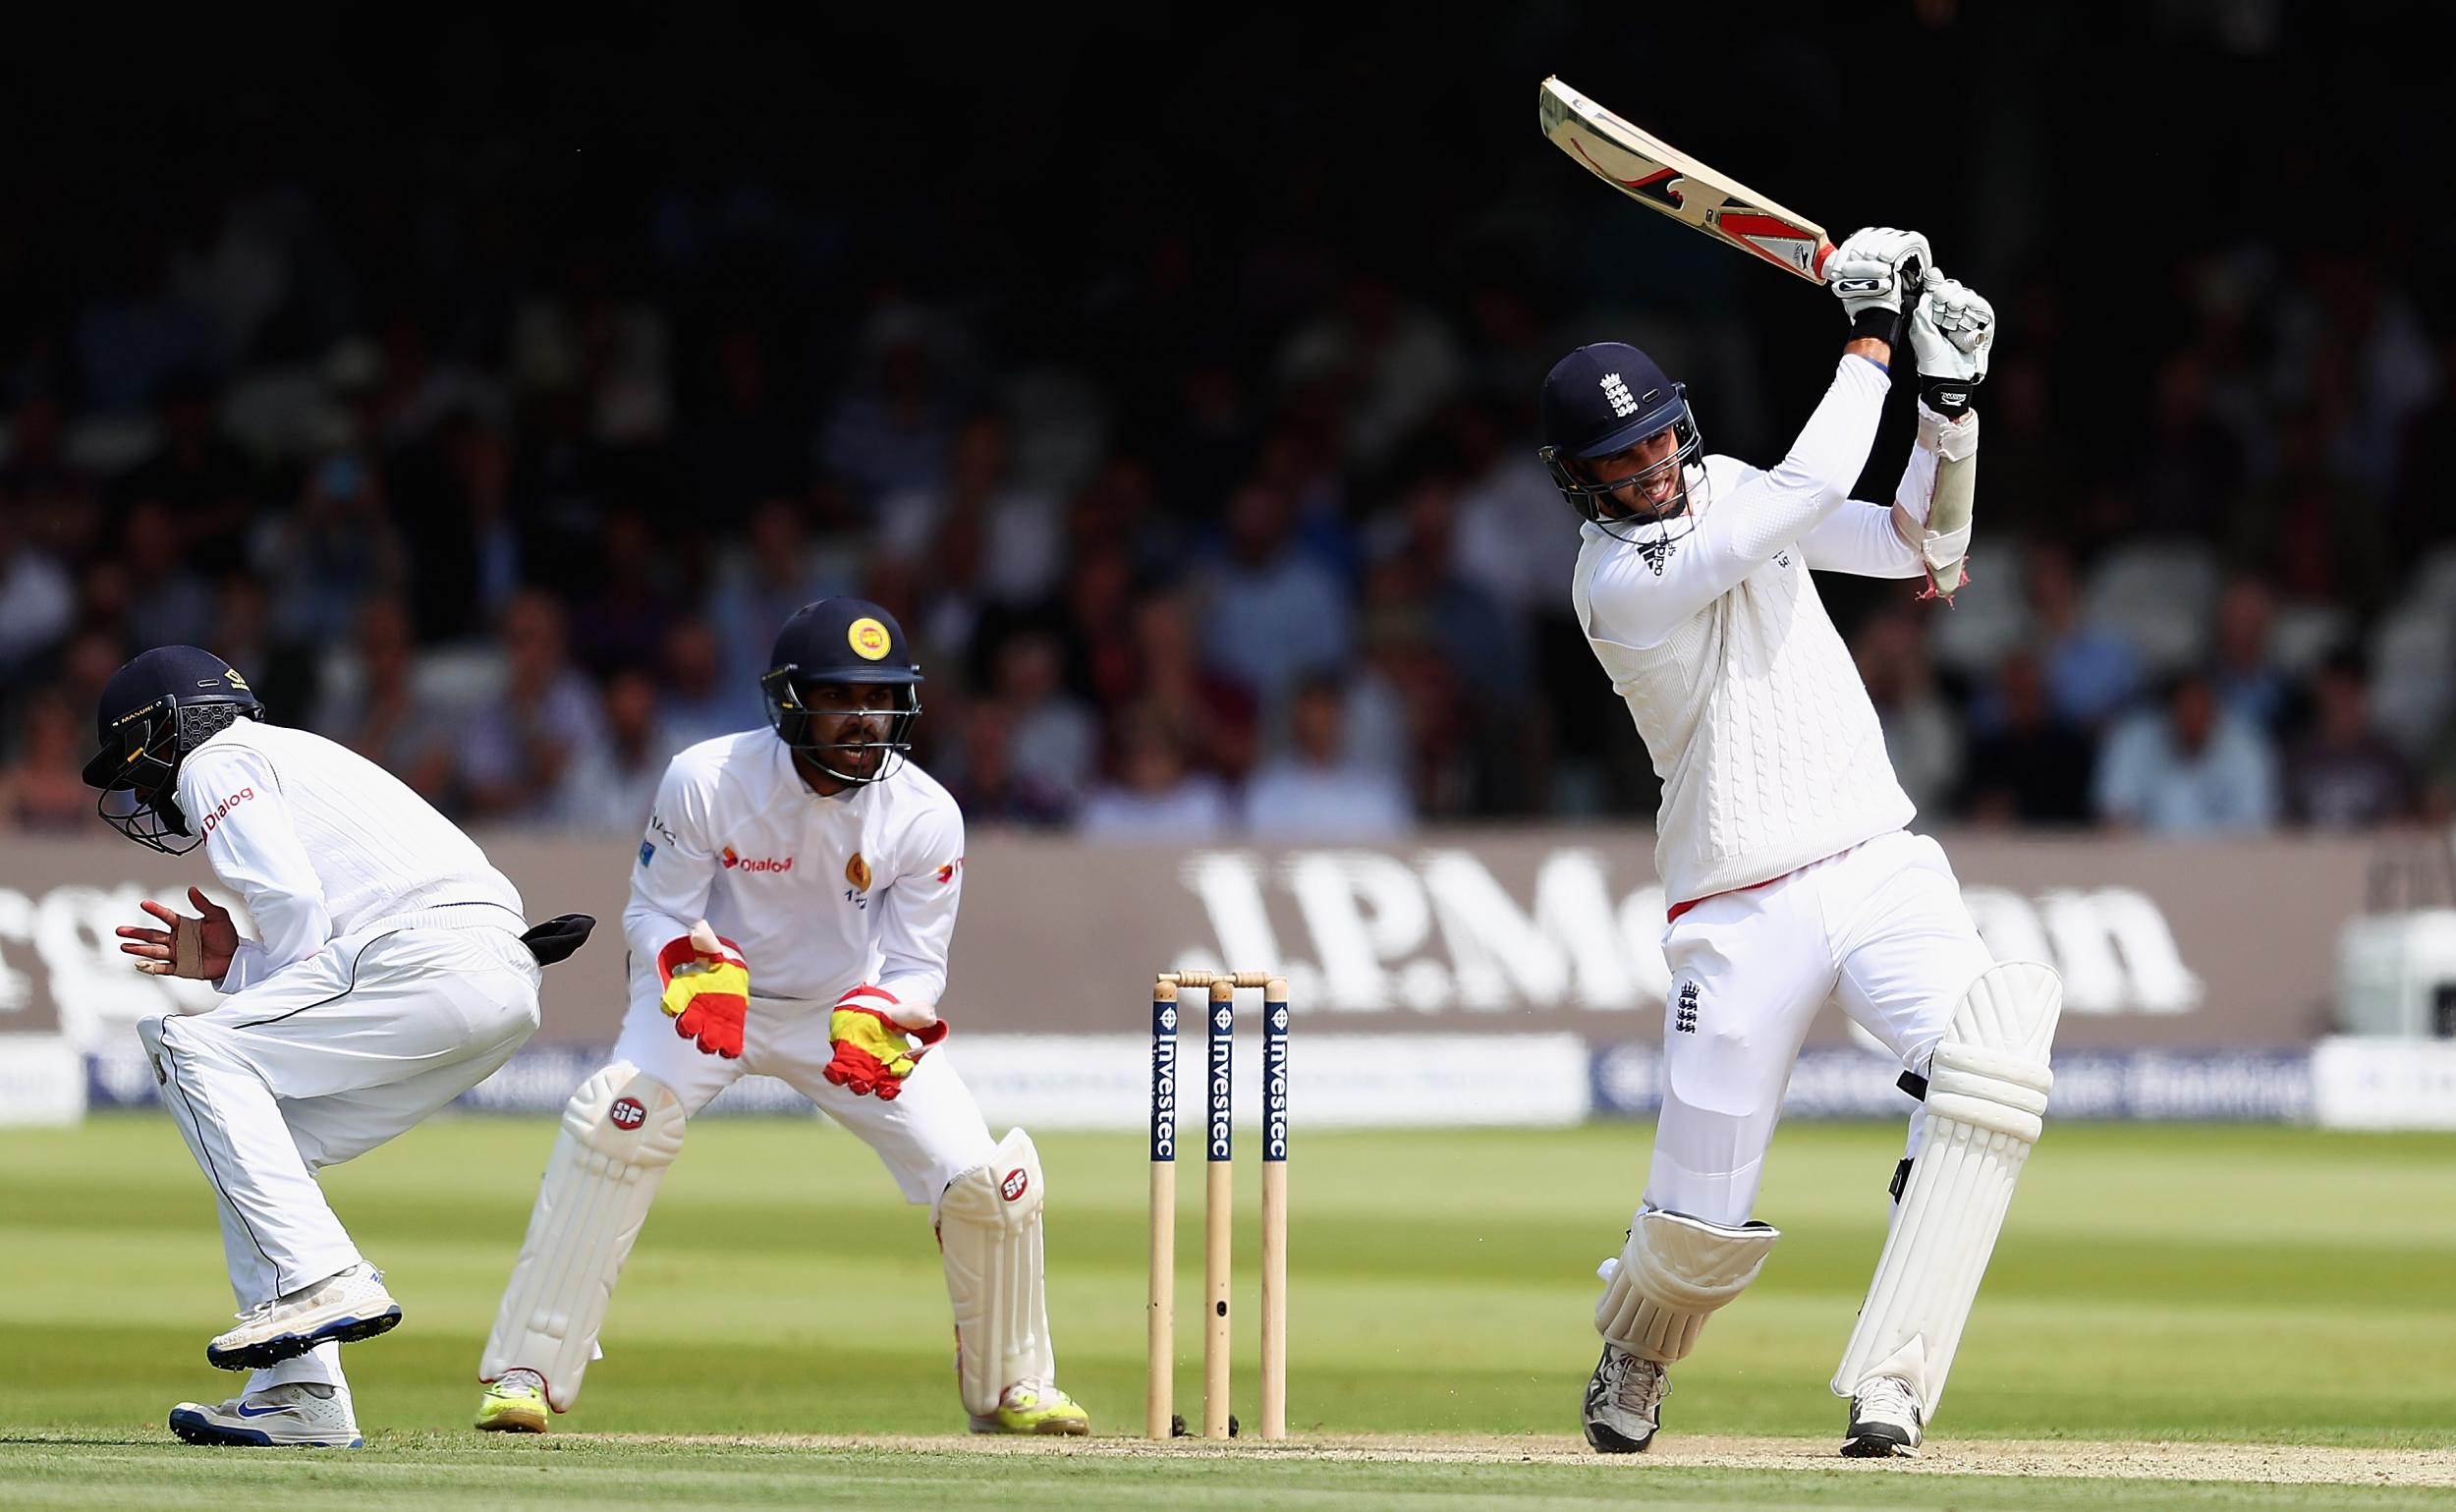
(1951, 331)
(1872, 272)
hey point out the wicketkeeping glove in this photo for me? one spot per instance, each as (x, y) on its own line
(869, 1029)
(707, 990)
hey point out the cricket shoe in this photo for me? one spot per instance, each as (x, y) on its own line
(514, 1403)
(1884, 1418)
(340, 1309)
(1033, 1407)
(298, 1416)
(1624, 1402)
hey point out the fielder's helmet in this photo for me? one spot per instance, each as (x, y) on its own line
(841, 641)
(154, 712)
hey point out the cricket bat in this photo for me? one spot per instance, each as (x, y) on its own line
(1653, 172)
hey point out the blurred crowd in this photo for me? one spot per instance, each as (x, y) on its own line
(1201, 527)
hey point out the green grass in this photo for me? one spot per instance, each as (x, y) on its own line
(2220, 1284)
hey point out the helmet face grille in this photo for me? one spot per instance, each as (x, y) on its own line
(791, 719)
(141, 797)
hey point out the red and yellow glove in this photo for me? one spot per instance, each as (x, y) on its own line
(869, 1028)
(707, 990)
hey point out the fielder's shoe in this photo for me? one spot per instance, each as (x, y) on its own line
(300, 1415)
(516, 1404)
(1624, 1402)
(1030, 1407)
(352, 1304)
(1884, 1418)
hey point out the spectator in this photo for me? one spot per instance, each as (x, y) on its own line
(759, 587)
(697, 700)
(983, 779)
(2188, 768)
(40, 791)
(334, 548)
(621, 619)
(1154, 796)
(168, 604)
(1018, 528)
(37, 600)
(2343, 774)
(379, 713)
(56, 502)
(1921, 735)
(1315, 792)
(463, 550)
(1270, 613)
(1219, 719)
(2029, 769)
(609, 785)
(206, 480)
(1055, 741)
(515, 751)
(2091, 673)
(889, 436)
(2247, 677)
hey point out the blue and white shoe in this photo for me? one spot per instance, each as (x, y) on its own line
(340, 1309)
(300, 1415)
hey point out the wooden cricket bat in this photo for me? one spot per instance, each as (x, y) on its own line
(1655, 174)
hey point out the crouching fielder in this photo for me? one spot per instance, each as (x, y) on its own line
(1782, 840)
(790, 915)
(390, 975)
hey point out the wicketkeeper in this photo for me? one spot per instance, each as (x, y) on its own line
(790, 915)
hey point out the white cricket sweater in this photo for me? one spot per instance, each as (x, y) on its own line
(1769, 751)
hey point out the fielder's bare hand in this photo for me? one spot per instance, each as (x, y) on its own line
(191, 947)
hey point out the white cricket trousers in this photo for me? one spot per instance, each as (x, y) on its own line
(323, 1062)
(1881, 928)
(931, 1133)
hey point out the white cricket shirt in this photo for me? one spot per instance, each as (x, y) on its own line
(821, 894)
(322, 842)
(1769, 751)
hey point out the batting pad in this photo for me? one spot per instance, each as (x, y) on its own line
(1987, 1097)
(1673, 1275)
(619, 1132)
(989, 1238)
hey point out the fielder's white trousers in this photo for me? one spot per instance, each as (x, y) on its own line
(1879, 928)
(321, 1063)
(929, 1134)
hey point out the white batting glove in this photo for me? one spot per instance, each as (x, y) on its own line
(1871, 271)
(1951, 331)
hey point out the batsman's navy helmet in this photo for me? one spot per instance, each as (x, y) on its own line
(152, 712)
(1604, 399)
(841, 641)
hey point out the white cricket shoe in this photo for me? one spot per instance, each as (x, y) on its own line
(299, 1416)
(1623, 1401)
(340, 1309)
(1884, 1418)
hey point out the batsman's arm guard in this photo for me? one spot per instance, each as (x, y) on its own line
(1986, 1096)
(989, 1239)
(619, 1132)
(1943, 537)
(1676, 1273)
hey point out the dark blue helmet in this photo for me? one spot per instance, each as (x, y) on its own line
(152, 712)
(1600, 400)
(842, 640)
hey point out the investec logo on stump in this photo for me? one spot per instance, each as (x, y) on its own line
(1437, 933)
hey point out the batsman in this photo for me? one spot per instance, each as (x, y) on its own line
(1783, 838)
(790, 913)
